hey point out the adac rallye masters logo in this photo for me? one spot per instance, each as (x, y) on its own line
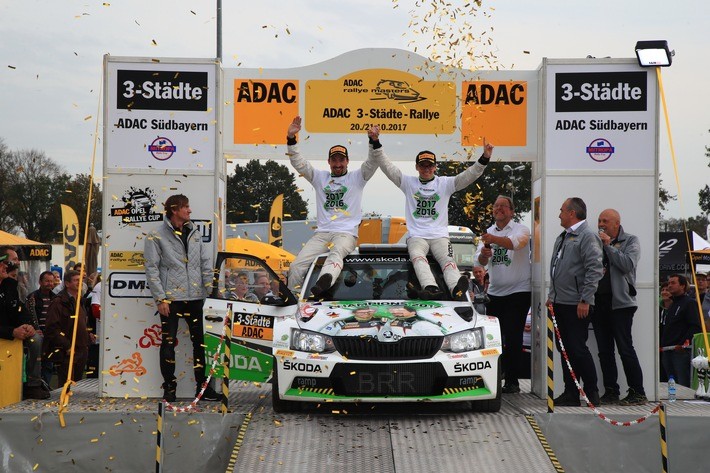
(138, 207)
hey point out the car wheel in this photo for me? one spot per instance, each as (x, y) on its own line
(491, 405)
(279, 405)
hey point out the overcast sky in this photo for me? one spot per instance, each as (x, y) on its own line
(51, 58)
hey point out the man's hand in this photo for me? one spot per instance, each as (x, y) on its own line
(294, 127)
(606, 239)
(487, 149)
(374, 133)
(582, 310)
(488, 239)
(19, 333)
(486, 252)
(163, 308)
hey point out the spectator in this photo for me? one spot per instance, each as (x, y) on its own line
(239, 291)
(701, 278)
(60, 328)
(178, 269)
(262, 286)
(38, 304)
(426, 211)
(680, 322)
(338, 208)
(94, 316)
(575, 271)
(615, 308)
(505, 249)
(57, 280)
(16, 323)
(478, 281)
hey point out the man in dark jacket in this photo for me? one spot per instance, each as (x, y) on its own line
(59, 330)
(575, 271)
(615, 305)
(16, 323)
(38, 304)
(679, 323)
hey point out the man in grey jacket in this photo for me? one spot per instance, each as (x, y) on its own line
(575, 271)
(615, 305)
(178, 269)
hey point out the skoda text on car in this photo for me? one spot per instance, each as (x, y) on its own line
(370, 339)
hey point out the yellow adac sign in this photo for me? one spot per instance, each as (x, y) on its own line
(494, 109)
(396, 101)
(126, 260)
(263, 108)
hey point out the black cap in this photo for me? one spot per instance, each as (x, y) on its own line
(338, 150)
(426, 157)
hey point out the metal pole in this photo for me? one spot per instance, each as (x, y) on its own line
(219, 30)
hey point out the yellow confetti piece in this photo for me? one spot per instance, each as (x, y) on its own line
(87, 118)
(277, 423)
(94, 440)
(35, 467)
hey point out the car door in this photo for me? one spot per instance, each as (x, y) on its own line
(253, 314)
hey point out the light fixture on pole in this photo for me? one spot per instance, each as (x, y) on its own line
(654, 53)
(511, 184)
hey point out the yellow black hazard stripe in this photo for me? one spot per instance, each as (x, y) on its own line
(238, 443)
(546, 446)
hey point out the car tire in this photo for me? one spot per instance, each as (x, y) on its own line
(491, 405)
(279, 405)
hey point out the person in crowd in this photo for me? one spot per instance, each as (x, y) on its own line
(262, 285)
(23, 285)
(338, 210)
(178, 269)
(614, 309)
(238, 290)
(680, 322)
(57, 280)
(478, 281)
(701, 278)
(575, 271)
(427, 214)
(38, 304)
(505, 249)
(93, 307)
(16, 324)
(60, 328)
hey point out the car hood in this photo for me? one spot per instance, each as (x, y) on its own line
(382, 318)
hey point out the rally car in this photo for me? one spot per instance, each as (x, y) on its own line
(370, 338)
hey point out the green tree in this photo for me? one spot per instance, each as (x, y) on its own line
(664, 197)
(35, 184)
(698, 224)
(76, 196)
(253, 187)
(6, 221)
(704, 199)
(471, 207)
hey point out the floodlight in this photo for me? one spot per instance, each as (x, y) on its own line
(654, 53)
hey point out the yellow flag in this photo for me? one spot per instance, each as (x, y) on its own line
(276, 217)
(70, 228)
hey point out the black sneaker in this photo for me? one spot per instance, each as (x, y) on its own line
(169, 392)
(209, 394)
(458, 293)
(511, 389)
(567, 399)
(35, 392)
(431, 293)
(610, 397)
(323, 284)
(593, 397)
(634, 398)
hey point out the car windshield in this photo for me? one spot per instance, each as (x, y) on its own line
(377, 277)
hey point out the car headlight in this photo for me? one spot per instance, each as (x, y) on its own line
(303, 340)
(468, 340)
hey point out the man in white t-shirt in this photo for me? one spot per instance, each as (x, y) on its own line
(505, 249)
(338, 211)
(427, 214)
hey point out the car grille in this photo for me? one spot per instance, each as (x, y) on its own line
(369, 348)
(392, 379)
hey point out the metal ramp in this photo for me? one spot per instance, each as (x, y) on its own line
(389, 438)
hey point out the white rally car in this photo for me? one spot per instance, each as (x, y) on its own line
(367, 339)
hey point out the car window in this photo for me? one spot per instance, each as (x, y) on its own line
(373, 280)
(240, 278)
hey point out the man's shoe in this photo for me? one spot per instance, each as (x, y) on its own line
(323, 284)
(567, 399)
(431, 293)
(511, 389)
(169, 390)
(35, 392)
(209, 394)
(610, 397)
(634, 398)
(593, 397)
(458, 293)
